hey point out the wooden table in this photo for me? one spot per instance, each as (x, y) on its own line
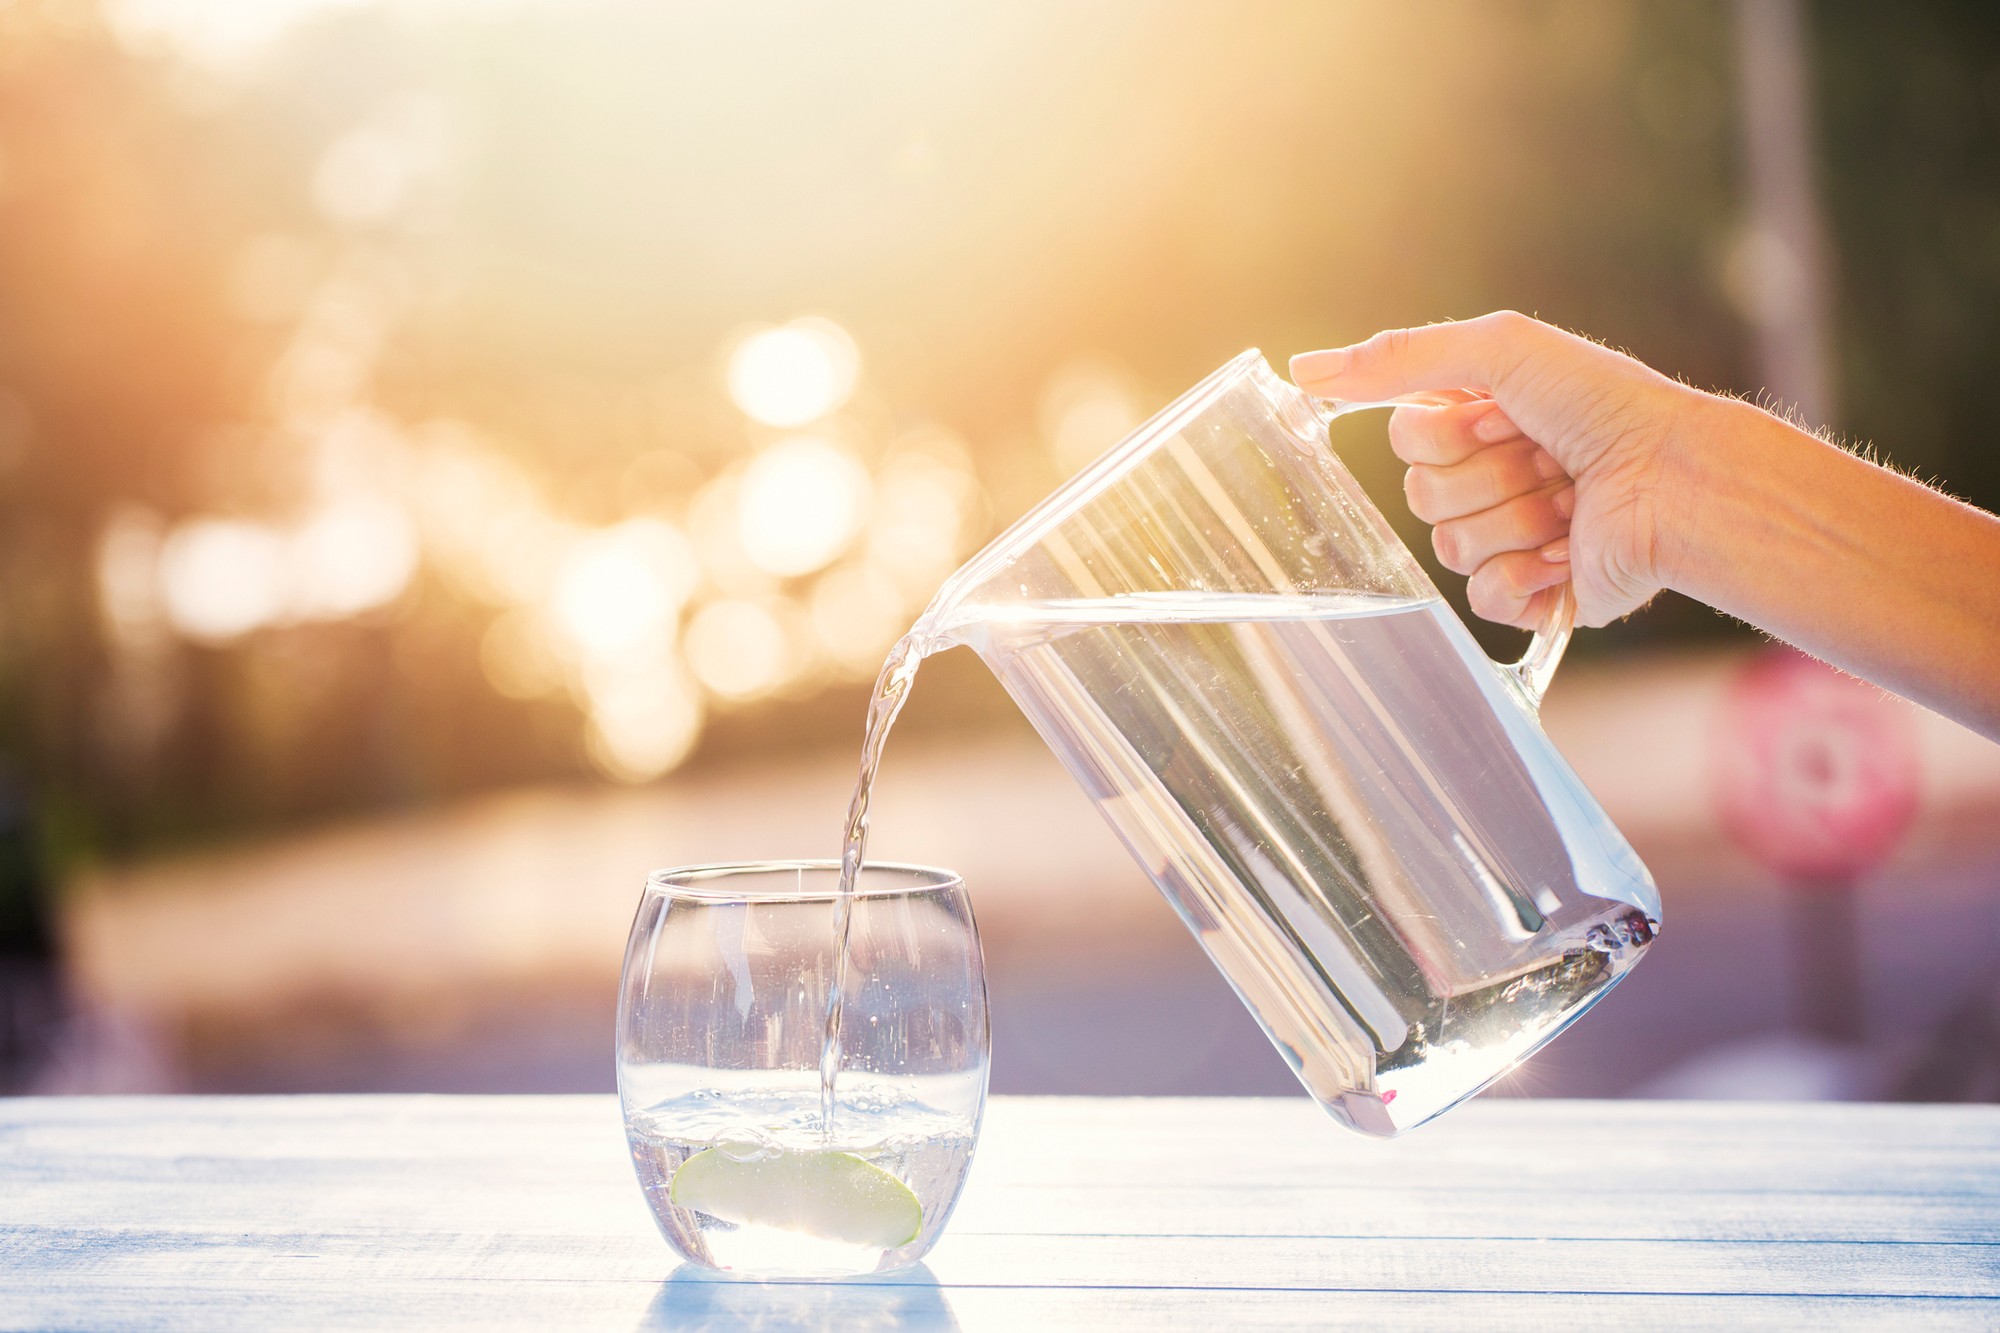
(504, 1212)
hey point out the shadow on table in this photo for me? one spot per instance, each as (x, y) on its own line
(694, 1298)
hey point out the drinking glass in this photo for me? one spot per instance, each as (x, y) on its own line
(722, 1013)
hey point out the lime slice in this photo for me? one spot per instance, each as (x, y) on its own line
(832, 1195)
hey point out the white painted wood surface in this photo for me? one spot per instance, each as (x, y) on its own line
(505, 1212)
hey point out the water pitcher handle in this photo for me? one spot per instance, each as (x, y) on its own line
(1538, 665)
(1530, 675)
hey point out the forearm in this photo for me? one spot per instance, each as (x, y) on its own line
(1856, 564)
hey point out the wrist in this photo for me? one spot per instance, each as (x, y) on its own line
(1720, 466)
(1752, 491)
(1687, 474)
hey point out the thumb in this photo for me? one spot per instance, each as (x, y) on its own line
(1468, 354)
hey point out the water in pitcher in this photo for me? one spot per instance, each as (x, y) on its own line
(1370, 837)
(1375, 843)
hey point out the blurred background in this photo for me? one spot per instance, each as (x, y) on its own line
(456, 456)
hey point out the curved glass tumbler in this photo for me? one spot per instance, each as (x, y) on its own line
(721, 1012)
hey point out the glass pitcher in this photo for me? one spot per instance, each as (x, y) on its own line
(1353, 808)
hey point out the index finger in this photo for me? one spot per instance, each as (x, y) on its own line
(1468, 354)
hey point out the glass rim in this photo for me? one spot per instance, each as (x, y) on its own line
(710, 882)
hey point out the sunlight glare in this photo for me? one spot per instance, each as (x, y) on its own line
(368, 174)
(219, 33)
(1088, 406)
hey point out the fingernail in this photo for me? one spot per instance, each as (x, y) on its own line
(1565, 501)
(1557, 552)
(1546, 466)
(1319, 365)
(1493, 427)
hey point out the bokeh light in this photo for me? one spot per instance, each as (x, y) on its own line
(222, 578)
(589, 610)
(857, 611)
(483, 518)
(739, 649)
(642, 721)
(355, 554)
(794, 374)
(128, 578)
(518, 658)
(926, 515)
(799, 504)
(623, 587)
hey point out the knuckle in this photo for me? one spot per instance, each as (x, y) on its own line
(1391, 345)
(1508, 336)
(1481, 488)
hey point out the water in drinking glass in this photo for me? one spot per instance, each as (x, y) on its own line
(742, 1177)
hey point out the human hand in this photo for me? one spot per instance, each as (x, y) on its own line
(1561, 464)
